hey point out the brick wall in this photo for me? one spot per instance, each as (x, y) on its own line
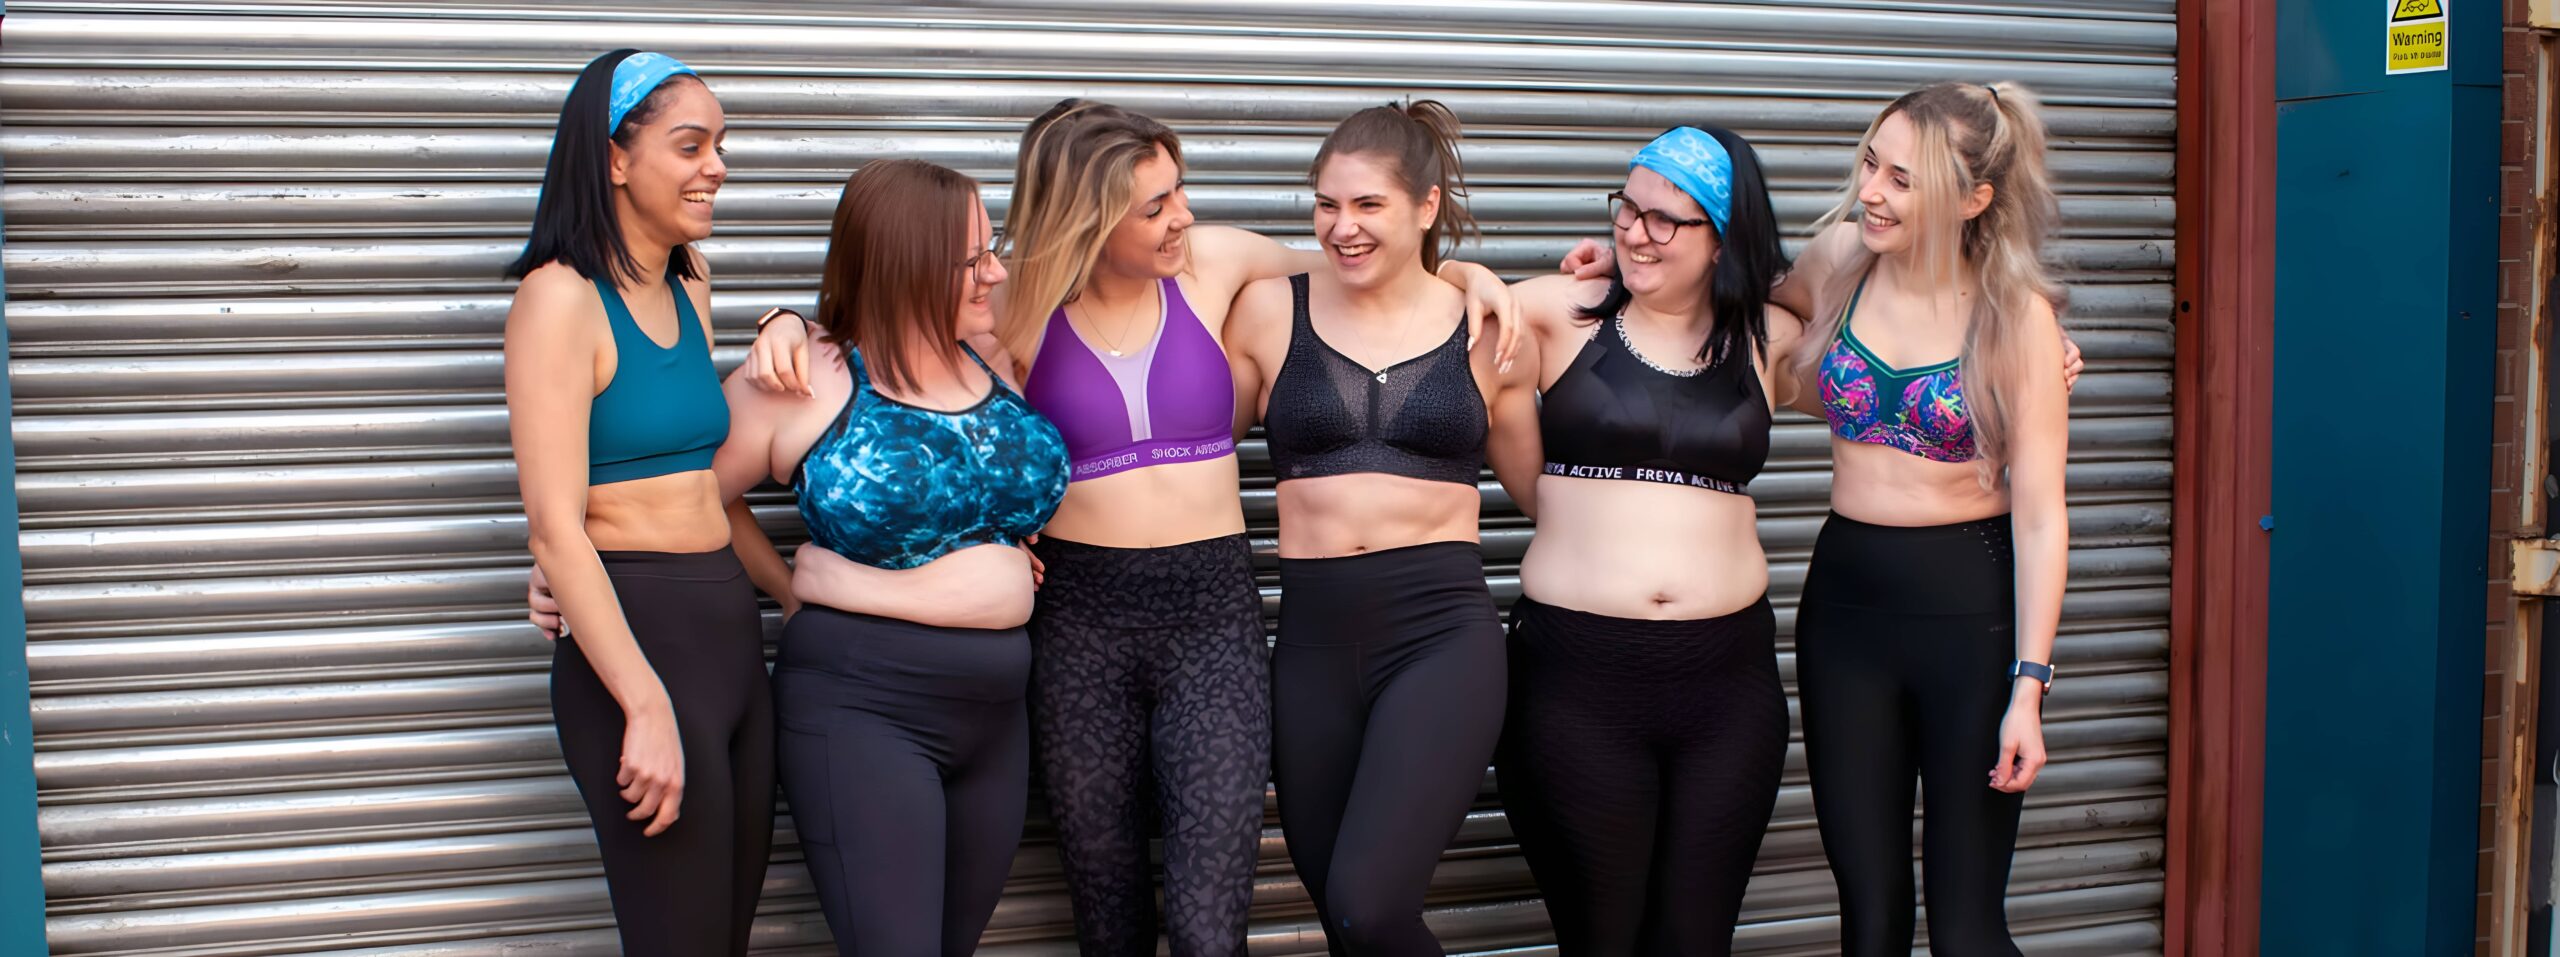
(2508, 701)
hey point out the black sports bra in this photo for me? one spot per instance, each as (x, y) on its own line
(1421, 418)
(1613, 414)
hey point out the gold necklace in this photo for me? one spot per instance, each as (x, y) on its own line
(1111, 344)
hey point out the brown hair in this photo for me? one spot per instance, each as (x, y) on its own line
(1420, 141)
(1073, 179)
(893, 264)
(1965, 135)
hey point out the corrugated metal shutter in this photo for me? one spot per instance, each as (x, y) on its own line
(284, 700)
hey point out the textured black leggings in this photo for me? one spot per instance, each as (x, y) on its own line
(1639, 764)
(906, 758)
(1150, 703)
(691, 890)
(1903, 645)
(1387, 687)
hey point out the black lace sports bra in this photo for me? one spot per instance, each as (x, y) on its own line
(1421, 418)
(1613, 414)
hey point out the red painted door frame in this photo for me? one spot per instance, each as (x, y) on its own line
(2223, 398)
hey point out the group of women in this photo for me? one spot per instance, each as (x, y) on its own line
(1016, 461)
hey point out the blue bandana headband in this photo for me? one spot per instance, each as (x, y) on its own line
(1698, 164)
(634, 79)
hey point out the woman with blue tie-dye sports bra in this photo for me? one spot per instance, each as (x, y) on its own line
(904, 744)
(893, 485)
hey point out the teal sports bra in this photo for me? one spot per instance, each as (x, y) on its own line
(663, 412)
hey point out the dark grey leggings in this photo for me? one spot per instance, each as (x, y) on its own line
(1150, 705)
(690, 891)
(1387, 688)
(906, 759)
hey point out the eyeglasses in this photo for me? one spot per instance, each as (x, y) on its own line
(985, 260)
(1660, 226)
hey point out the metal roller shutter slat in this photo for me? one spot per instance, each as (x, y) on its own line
(285, 702)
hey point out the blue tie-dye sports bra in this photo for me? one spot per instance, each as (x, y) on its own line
(1920, 411)
(894, 485)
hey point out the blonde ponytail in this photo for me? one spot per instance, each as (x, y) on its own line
(1966, 135)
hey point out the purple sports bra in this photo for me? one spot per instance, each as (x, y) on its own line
(1920, 411)
(1172, 400)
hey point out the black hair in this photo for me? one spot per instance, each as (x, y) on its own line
(573, 221)
(1751, 260)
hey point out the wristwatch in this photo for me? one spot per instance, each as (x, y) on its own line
(2043, 673)
(772, 314)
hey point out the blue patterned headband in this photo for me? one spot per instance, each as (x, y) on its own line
(634, 79)
(1698, 164)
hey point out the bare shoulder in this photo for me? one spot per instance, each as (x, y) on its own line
(2036, 318)
(699, 291)
(1213, 239)
(825, 353)
(1787, 337)
(554, 299)
(1825, 253)
(1785, 327)
(996, 355)
(1552, 299)
(1261, 303)
(700, 287)
(1259, 320)
(1221, 257)
(1833, 240)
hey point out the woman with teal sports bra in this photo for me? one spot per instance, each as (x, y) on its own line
(659, 696)
(905, 742)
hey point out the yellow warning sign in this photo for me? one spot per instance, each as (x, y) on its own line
(2416, 9)
(2414, 37)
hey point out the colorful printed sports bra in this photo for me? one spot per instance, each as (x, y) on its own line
(1172, 401)
(1920, 411)
(894, 485)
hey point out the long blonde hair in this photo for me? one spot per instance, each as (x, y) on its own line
(1073, 180)
(1967, 135)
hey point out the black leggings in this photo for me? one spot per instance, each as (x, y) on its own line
(907, 762)
(1386, 691)
(1639, 764)
(1903, 645)
(692, 889)
(1150, 693)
